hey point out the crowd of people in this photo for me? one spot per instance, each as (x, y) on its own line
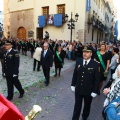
(93, 63)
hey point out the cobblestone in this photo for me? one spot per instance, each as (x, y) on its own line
(27, 76)
(56, 100)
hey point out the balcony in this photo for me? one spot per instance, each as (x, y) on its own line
(89, 19)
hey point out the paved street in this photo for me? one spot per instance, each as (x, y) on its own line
(56, 100)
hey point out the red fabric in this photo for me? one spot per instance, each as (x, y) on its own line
(3, 109)
(10, 111)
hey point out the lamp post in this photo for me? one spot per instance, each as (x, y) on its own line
(71, 23)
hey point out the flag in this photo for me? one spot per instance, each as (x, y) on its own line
(42, 21)
(58, 20)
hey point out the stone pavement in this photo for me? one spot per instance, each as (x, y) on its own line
(26, 74)
(56, 100)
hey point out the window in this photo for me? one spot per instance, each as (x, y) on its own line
(45, 10)
(61, 10)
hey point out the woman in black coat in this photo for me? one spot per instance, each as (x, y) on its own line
(58, 60)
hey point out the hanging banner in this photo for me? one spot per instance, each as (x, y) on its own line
(42, 21)
(58, 20)
(88, 3)
(50, 19)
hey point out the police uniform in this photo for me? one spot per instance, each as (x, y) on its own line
(85, 80)
(11, 69)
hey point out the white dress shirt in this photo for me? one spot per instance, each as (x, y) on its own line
(87, 61)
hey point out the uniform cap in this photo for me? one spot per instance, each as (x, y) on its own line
(87, 49)
(8, 43)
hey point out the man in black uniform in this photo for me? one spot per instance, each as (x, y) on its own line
(11, 69)
(85, 82)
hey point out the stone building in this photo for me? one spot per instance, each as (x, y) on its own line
(28, 19)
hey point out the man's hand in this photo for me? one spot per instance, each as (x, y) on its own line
(14, 75)
(106, 91)
(93, 94)
(73, 88)
(118, 73)
(106, 71)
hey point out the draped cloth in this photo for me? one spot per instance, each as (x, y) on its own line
(8, 111)
(42, 21)
(57, 19)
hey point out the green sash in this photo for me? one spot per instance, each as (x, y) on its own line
(32, 44)
(51, 45)
(102, 63)
(18, 43)
(101, 60)
(59, 57)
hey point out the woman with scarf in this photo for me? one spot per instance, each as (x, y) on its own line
(58, 60)
(102, 57)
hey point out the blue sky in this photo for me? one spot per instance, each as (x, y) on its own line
(1, 5)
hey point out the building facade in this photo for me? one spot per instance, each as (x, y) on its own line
(32, 20)
(6, 18)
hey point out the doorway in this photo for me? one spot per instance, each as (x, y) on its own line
(40, 33)
(21, 33)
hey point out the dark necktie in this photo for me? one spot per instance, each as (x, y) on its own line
(85, 64)
(7, 53)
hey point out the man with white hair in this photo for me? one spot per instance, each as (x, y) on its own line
(46, 62)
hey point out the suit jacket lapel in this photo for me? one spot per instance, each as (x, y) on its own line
(89, 63)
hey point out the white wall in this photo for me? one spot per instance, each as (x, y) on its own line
(75, 6)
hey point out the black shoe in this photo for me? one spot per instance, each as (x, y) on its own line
(46, 84)
(21, 95)
(55, 75)
(38, 70)
(33, 69)
(8, 98)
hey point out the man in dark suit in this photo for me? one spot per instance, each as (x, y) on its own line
(11, 69)
(46, 62)
(85, 82)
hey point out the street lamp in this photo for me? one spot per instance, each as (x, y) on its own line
(71, 22)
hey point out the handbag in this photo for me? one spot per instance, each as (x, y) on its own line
(102, 63)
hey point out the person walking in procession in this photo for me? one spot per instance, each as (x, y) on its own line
(59, 60)
(11, 69)
(85, 83)
(46, 62)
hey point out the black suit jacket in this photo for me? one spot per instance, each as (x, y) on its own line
(47, 61)
(11, 63)
(86, 79)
